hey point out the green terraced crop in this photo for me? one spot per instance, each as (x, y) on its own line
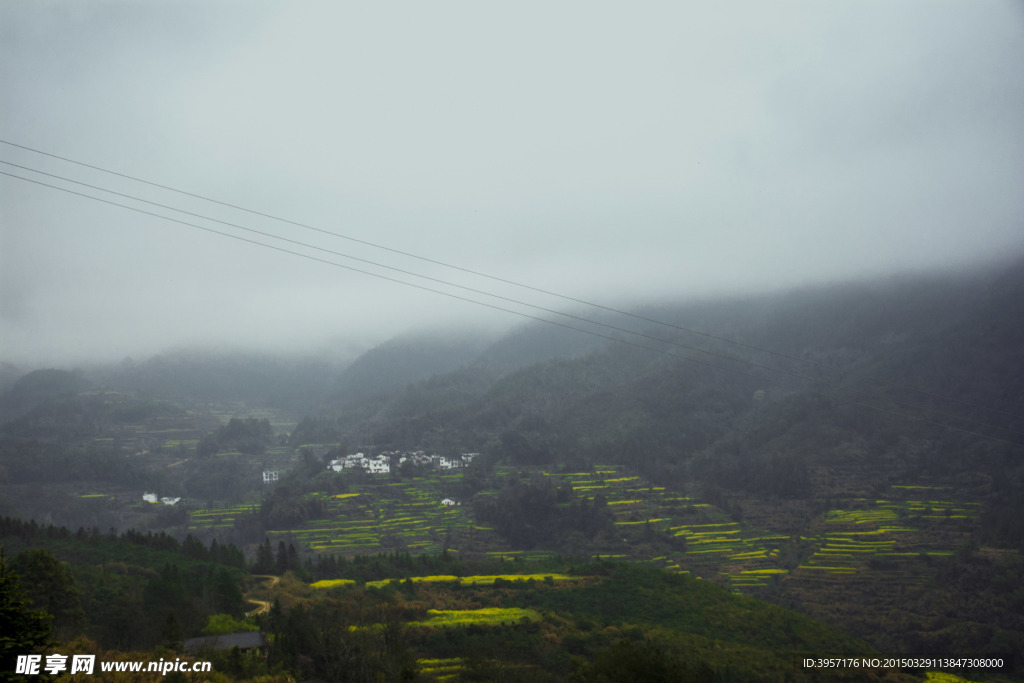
(440, 669)
(331, 583)
(643, 521)
(485, 616)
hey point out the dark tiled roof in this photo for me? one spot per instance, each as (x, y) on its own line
(243, 641)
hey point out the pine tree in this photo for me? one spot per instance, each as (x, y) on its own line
(293, 558)
(281, 563)
(51, 587)
(23, 630)
(264, 558)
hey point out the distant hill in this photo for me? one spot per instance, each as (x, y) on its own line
(295, 384)
(390, 368)
(393, 365)
(37, 387)
(538, 342)
(891, 378)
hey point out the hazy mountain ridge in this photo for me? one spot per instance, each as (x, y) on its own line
(860, 366)
(893, 374)
(292, 383)
(868, 423)
(37, 387)
(390, 367)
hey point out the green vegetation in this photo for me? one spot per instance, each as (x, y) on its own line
(490, 616)
(25, 629)
(490, 579)
(593, 620)
(124, 591)
(332, 583)
(820, 494)
(220, 624)
(250, 436)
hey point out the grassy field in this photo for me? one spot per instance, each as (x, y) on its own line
(488, 616)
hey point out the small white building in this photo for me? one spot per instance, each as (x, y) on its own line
(149, 497)
(380, 464)
(270, 476)
(448, 502)
(377, 466)
(166, 500)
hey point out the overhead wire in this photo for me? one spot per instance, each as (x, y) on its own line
(451, 284)
(412, 255)
(565, 297)
(474, 301)
(377, 275)
(418, 275)
(508, 299)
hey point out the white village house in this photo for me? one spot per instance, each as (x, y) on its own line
(381, 464)
(166, 500)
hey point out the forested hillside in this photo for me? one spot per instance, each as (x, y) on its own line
(852, 452)
(907, 377)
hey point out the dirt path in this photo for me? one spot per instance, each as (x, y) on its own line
(264, 605)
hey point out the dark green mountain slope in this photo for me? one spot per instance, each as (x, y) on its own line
(391, 366)
(36, 388)
(907, 377)
(292, 384)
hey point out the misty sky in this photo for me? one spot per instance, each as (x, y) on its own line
(621, 152)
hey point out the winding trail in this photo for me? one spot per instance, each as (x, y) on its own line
(264, 605)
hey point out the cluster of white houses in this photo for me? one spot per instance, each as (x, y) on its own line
(381, 464)
(166, 500)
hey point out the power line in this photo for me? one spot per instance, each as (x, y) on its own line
(378, 275)
(485, 275)
(470, 289)
(415, 274)
(499, 308)
(411, 255)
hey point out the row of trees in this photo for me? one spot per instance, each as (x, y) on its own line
(267, 562)
(25, 628)
(125, 591)
(535, 513)
(94, 544)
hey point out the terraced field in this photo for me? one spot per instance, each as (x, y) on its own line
(709, 541)
(440, 669)
(487, 579)
(905, 526)
(218, 518)
(652, 525)
(889, 530)
(490, 616)
(377, 517)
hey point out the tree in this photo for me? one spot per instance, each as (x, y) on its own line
(281, 563)
(640, 662)
(23, 630)
(51, 587)
(264, 558)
